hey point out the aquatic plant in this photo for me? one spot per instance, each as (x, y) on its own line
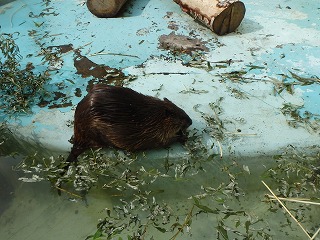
(295, 172)
(141, 212)
(20, 87)
(296, 180)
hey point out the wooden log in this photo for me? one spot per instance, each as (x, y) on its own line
(221, 16)
(105, 8)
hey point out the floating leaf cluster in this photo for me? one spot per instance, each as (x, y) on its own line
(139, 212)
(296, 177)
(296, 174)
(139, 215)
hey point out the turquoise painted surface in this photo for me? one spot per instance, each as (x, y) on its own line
(277, 37)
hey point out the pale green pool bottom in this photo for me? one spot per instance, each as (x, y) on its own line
(37, 212)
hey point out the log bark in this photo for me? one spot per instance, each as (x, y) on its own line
(105, 8)
(221, 16)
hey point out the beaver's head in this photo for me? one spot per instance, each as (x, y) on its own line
(176, 122)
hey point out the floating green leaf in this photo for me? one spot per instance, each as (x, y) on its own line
(222, 231)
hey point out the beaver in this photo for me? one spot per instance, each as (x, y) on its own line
(119, 117)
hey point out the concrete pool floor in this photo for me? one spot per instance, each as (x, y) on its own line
(263, 78)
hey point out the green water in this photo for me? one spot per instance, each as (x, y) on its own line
(237, 211)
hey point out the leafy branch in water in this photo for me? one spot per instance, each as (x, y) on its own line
(136, 213)
(38, 168)
(145, 208)
(134, 218)
(296, 173)
(142, 217)
(296, 179)
(20, 87)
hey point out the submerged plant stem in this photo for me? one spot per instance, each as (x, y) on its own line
(72, 194)
(287, 210)
(297, 200)
(186, 222)
(220, 148)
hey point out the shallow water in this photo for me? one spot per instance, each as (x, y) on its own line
(35, 211)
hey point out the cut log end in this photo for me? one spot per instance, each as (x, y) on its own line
(221, 16)
(229, 19)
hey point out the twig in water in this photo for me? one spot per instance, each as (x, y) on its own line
(220, 148)
(72, 194)
(186, 222)
(297, 200)
(285, 208)
(316, 233)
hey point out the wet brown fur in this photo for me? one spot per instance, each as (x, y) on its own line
(120, 117)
